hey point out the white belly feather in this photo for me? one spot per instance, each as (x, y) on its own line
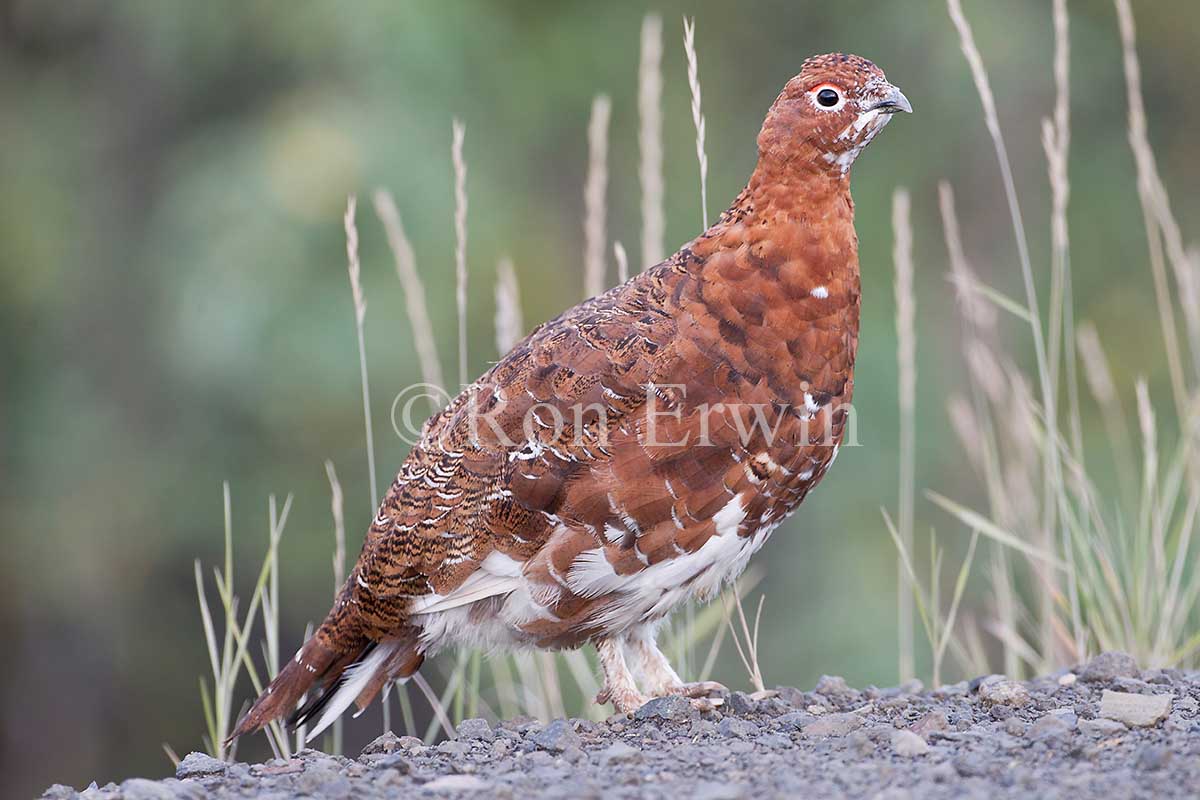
(634, 599)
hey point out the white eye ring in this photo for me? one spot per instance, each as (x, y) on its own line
(841, 97)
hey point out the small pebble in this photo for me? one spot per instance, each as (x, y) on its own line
(741, 704)
(1108, 666)
(557, 736)
(737, 728)
(933, 721)
(1002, 691)
(776, 741)
(1051, 726)
(716, 790)
(619, 752)
(908, 744)
(1135, 709)
(457, 783)
(1101, 728)
(672, 708)
(476, 729)
(453, 748)
(833, 686)
(794, 720)
(200, 765)
(833, 725)
(1015, 727)
(1153, 756)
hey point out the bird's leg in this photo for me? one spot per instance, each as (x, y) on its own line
(619, 688)
(657, 676)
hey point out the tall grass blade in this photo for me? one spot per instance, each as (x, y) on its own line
(985, 526)
(595, 239)
(650, 149)
(458, 134)
(423, 339)
(906, 339)
(360, 315)
(693, 74)
(510, 326)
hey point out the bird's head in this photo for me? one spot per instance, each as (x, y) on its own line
(827, 114)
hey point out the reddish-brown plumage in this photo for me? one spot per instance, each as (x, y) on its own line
(528, 532)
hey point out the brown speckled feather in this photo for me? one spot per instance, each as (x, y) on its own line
(635, 451)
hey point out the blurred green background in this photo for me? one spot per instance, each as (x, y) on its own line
(175, 312)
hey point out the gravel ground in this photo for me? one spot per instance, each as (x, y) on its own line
(1105, 728)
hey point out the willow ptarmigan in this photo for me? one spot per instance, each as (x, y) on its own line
(633, 453)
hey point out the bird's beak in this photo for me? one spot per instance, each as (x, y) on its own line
(891, 102)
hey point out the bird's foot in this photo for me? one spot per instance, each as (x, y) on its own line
(700, 689)
(705, 695)
(706, 704)
(625, 700)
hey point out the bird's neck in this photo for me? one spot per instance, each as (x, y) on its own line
(796, 185)
(792, 218)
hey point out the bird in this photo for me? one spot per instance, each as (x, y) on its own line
(632, 454)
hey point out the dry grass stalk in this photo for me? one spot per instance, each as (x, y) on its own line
(530, 682)
(939, 631)
(337, 509)
(360, 316)
(583, 672)
(693, 74)
(978, 313)
(622, 262)
(231, 655)
(973, 423)
(745, 638)
(423, 339)
(437, 705)
(1056, 141)
(1051, 475)
(339, 527)
(1095, 369)
(1128, 563)
(594, 190)
(1100, 383)
(906, 338)
(505, 685)
(966, 427)
(510, 326)
(1156, 211)
(547, 663)
(650, 168)
(1056, 135)
(459, 132)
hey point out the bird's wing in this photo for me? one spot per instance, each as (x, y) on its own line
(492, 470)
(551, 454)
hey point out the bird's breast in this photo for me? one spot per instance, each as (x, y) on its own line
(778, 305)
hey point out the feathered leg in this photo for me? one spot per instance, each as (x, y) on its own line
(659, 679)
(619, 687)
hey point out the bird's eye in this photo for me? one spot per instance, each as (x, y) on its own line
(828, 97)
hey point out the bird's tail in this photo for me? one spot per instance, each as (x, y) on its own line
(353, 673)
